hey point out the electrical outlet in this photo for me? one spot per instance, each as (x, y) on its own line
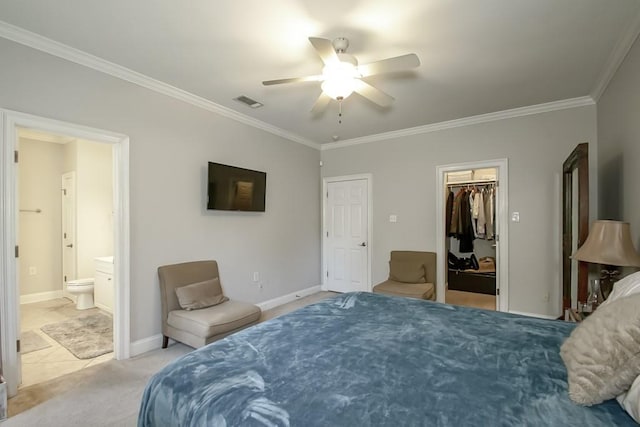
(33, 271)
(546, 297)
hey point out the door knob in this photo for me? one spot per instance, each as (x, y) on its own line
(70, 245)
(363, 244)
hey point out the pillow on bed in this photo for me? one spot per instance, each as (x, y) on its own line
(602, 354)
(200, 295)
(630, 400)
(624, 287)
(407, 271)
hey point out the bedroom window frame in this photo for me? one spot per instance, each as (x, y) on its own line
(502, 231)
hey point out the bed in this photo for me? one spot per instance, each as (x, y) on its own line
(371, 359)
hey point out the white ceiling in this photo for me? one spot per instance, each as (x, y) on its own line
(477, 57)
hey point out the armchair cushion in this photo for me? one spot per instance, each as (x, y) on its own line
(200, 295)
(411, 290)
(406, 271)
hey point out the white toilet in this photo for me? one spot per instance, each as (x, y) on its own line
(83, 290)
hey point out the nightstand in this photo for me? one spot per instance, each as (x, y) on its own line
(573, 315)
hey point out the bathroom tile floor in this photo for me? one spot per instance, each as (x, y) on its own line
(55, 361)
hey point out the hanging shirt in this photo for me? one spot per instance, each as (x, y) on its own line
(455, 214)
(481, 221)
(449, 213)
(490, 213)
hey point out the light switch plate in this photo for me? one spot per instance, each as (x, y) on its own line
(515, 216)
(393, 218)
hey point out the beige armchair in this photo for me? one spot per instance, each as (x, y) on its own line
(199, 327)
(411, 274)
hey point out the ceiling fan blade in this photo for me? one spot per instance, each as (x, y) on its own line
(321, 103)
(372, 94)
(397, 63)
(293, 80)
(325, 49)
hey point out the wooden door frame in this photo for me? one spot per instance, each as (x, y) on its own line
(10, 121)
(325, 181)
(502, 227)
(578, 159)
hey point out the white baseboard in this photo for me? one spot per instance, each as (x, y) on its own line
(540, 316)
(40, 296)
(267, 305)
(145, 344)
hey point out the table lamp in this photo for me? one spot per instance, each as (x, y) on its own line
(609, 244)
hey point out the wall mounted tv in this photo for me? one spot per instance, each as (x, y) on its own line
(236, 189)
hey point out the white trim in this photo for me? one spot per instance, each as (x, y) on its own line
(52, 47)
(618, 54)
(465, 121)
(502, 227)
(9, 308)
(275, 302)
(539, 316)
(326, 180)
(146, 344)
(40, 296)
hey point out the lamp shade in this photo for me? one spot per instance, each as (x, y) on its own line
(609, 243)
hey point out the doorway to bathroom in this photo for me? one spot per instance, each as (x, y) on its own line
(66, 241)
(16, 265)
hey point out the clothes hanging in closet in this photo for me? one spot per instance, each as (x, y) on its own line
(470, 214)
(461, 224)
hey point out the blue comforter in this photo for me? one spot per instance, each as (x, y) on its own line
(365, 359)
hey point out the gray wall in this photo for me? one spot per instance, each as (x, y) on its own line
(171, 143)
(404, 173)
(619, 149)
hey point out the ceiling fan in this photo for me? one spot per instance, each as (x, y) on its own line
(341, 75)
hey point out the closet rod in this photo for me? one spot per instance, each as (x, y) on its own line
(31, 210)
(472, 181)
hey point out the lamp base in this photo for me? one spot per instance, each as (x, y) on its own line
(608, 276)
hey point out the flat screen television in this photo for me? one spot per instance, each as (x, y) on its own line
(236, 189)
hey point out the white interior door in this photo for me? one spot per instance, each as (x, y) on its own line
(347, 239)
(69, 251)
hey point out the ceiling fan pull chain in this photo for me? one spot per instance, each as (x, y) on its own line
(340, 99)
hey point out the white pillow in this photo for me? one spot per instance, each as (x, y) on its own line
(602, 354)
(630, 400)
(624, 287)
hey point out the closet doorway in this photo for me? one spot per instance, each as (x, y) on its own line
(472, 234)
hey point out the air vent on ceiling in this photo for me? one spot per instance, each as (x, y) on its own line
(250, 102)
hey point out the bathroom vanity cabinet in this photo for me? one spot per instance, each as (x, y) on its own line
(103, 287)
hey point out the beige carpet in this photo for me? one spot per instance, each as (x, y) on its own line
(107, 394)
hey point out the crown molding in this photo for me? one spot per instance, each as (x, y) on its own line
(466, 121)
(60, 50)
(619, 53)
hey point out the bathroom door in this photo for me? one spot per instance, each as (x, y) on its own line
(69, 251)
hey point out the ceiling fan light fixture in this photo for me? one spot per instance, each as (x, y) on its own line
(339, 79)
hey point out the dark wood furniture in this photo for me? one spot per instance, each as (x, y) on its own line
(578, 161)
(482, 283)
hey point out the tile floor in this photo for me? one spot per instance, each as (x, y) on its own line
(55, 361)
